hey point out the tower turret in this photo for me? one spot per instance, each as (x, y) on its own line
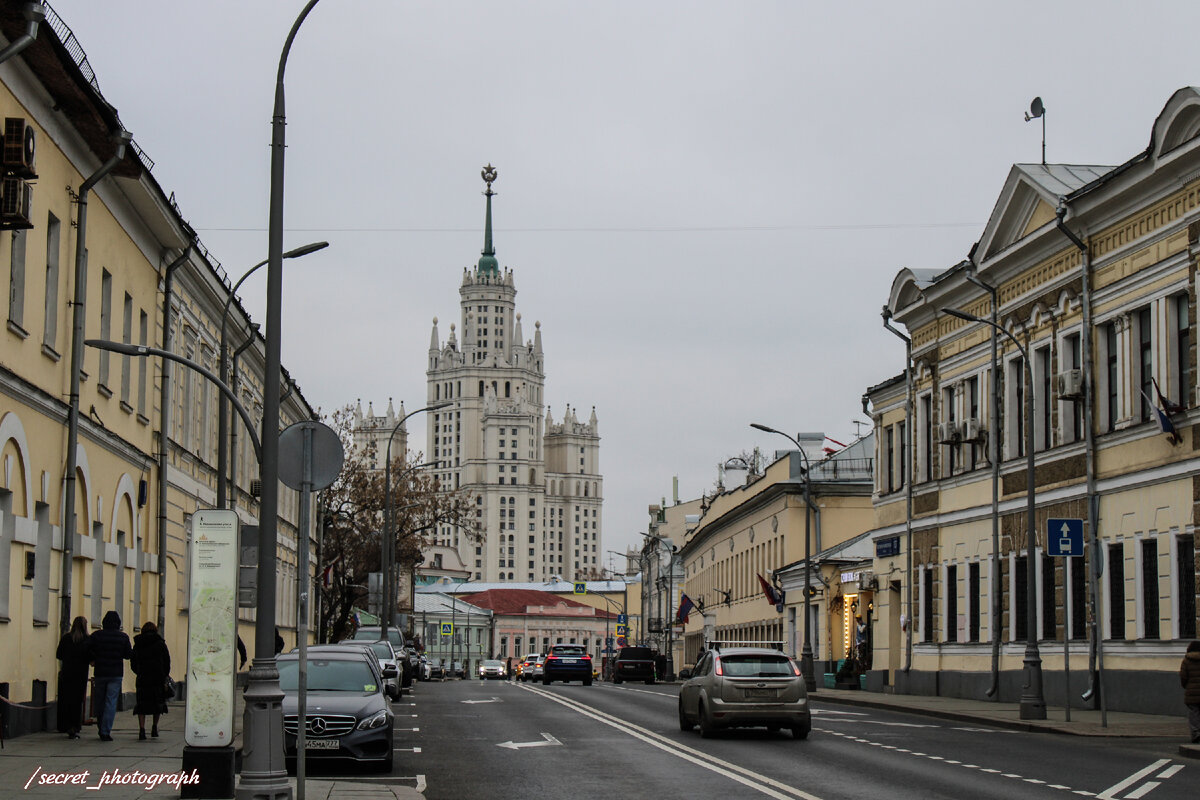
(488, 265)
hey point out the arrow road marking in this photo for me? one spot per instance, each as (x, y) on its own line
(547, 740)
(493, 700)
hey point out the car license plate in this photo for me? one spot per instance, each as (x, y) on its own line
(760, 693)
(322, 744)
(569, 660)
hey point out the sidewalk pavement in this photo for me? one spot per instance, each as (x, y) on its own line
(1084, 722)
(31, 758)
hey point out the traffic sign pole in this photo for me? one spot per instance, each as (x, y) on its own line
(1064, 539)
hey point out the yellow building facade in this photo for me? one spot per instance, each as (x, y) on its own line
(1094, 272)
(128, 547)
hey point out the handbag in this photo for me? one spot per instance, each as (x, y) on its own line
(169, 688)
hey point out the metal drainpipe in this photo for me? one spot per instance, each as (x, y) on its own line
(908, 484)
(164, 435)
(994, 455)
(34, 13)
(1096, 650)
(121, 138)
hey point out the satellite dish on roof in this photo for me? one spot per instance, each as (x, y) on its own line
(1036, 109)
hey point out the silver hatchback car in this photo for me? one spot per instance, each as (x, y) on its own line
(745, 687)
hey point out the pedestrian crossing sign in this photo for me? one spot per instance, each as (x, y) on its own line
(447, 629)
(580, 588)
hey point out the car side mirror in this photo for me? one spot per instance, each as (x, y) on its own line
(684, 674)
(389, 672)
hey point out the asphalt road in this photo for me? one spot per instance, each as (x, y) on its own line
(481, 740)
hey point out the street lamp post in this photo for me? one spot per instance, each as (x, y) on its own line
(806, 653)
(388, 539)
(264, 776)
(1033, 700)
(223, 447)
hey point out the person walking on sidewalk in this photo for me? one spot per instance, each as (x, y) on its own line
(151, 663)
(74, 651)
(1189, 676)
(110, 650)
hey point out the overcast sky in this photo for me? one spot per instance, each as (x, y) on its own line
(703, 203)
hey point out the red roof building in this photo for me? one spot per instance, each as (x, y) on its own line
(530, 621)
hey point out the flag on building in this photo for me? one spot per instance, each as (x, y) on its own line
(1164, 421)
(327, 573)
(774, 596)
(1166, 405)
(685, 607)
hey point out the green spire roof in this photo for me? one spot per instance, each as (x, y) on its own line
(488, 265)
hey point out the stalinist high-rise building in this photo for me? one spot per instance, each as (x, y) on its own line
(537, 483)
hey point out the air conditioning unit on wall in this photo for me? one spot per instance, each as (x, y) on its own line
(19, 147)
(948, 433)
(1070, 384)
(16, 204)
(972, 431)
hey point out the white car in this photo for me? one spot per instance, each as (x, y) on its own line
(492, 669)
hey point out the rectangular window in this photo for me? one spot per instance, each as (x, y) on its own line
(126, 338)
(890, 458)
(1020, 602)
(1111, 376)
(1150, 588)
(927, 605)
(973, 413)
(143, 363)
(1041, 359)
(1049, 598)
(1116, 591)
(1078, 571)
(1074, 410)
(50, 329)
(950, 450)
(974, 592)
(1145, 360)
(105, 323)
(952, 603)
(1017, 414)
(1183, 355)
(1185, 552)
(926, 423)
(903, 454)
(16, 280)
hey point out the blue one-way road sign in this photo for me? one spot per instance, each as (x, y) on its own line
(1064, 538)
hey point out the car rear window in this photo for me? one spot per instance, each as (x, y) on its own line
(636, 653)
(756, 666)
(569, 650)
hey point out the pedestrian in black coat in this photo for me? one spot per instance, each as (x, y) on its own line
(110, 650)
(74, 651)
(1189, 677)
(151, 663)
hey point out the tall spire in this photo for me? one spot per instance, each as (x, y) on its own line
(488, 265)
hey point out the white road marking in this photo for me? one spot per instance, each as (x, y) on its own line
(406, 749)
(547, 741)
(1113, 790)
(748, 778)
(1142, 790)
(1169, 771)
(421, 784)
(493, 700)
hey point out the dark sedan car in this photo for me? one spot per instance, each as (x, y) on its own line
(347, 713)
(567, 662)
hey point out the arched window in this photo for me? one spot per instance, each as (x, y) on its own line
(585, 490)
(437, 392)
(508, 389)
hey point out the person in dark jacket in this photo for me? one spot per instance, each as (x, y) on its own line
(1189, 676)
(278, 642)
(151, 662)
(110, 650)
(74, 651)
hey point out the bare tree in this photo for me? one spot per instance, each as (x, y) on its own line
(353, 510)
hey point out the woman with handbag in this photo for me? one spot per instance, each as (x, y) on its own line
(151, 663)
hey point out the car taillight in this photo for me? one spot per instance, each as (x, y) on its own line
(795, 669)
(552, 658)
(717, 666)
(589, 658)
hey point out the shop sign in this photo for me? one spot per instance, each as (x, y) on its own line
(887, 547)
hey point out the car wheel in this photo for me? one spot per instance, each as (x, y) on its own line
(617, 680)
(546, 680)
(388, 763)
(587, 681)
(684, 723)
(800, 731)
(707, 729)
(650, 681)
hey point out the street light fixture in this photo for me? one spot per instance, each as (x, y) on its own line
(223, 446)
(263, 769)
(388, 540)
(1033, 701)
(806, 653)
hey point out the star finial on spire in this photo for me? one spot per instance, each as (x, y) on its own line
(489, 174)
